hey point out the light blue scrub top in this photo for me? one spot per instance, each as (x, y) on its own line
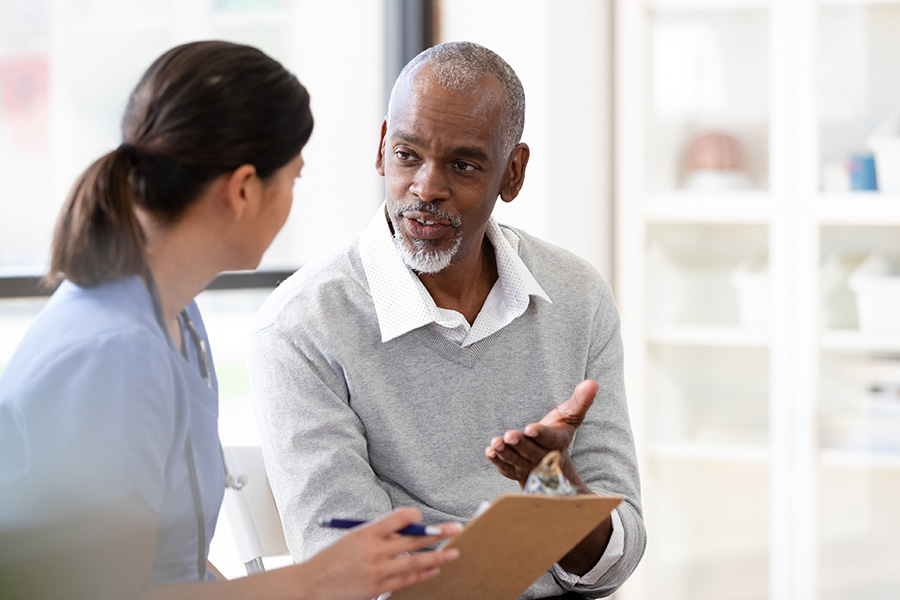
(96, 405)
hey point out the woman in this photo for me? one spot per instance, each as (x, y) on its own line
(111, 472)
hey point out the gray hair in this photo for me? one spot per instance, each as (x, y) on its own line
(459, 65)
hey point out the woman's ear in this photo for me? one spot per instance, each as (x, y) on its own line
(244, 191)
(515, 172)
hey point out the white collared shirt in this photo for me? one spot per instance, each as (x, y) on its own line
(403, 304)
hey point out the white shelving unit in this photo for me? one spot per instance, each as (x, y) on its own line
(767, 421)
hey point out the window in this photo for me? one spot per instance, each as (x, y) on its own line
(66, 69)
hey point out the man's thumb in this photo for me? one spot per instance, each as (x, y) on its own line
(575, 408)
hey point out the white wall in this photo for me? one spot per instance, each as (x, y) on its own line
(561, 50)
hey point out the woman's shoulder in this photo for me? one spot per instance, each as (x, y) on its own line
(120, 306)
(108, 324)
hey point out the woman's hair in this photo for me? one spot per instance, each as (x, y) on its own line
(201, 110)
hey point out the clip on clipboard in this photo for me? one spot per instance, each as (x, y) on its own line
(508, 547)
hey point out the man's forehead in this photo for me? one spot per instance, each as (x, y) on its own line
(423, 82)
(471, 110)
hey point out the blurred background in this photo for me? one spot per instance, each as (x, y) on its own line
(731, 166)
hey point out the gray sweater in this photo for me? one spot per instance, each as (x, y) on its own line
(353, 427)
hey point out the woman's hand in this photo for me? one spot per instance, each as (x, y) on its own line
(373, 558)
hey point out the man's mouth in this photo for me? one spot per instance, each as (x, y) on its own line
(425, 218)
(425, 225)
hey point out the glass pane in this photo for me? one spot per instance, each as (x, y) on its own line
(708, 275)
(705, 394)
(859, 413)
(707, 415)
(710, 542)
(859, 93)
(858, 530)
(708, 112)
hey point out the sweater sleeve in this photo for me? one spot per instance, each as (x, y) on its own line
(603, 449)
(314, 444)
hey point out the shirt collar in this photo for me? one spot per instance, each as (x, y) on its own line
(401, 301)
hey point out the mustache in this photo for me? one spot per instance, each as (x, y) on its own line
(429, 208)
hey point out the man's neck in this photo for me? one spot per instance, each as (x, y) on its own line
(464, 286)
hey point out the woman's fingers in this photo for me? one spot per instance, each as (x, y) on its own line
(388, 527)
(418, 567)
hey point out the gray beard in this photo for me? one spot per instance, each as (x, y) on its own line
(424, 259)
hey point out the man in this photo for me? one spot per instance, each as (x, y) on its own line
(399, 370)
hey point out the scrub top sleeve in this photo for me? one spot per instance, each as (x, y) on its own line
(101, 422)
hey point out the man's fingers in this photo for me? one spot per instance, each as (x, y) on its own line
(517, 452)
(572, 411)
(505, 469)
(513, 437)
(515, 462)
(494, 447)
(548, 438)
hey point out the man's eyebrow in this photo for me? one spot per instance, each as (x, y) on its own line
(461, 151)
(409, 138)
(470, 152)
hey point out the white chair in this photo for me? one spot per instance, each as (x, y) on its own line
(250, 508)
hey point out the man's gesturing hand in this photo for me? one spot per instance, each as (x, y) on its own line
(518, 452)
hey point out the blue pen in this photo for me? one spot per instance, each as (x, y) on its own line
(408, 530)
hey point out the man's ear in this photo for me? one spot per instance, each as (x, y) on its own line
(379, 160)
(244, 191)
(515, 172)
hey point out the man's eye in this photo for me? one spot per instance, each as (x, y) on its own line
(464, 166)
(401, 154)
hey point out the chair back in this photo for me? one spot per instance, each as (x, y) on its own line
(250, 508)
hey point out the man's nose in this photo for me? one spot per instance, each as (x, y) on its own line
(430, 183)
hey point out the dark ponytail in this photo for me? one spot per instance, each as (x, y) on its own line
(97, 236)
(201, 110)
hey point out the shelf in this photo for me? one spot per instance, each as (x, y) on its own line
(709, 207)
(858, 208)
(860, 459)
(853, 340)
(709, 336)
(746, 453)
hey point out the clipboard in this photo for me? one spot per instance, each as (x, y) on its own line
(510, 545)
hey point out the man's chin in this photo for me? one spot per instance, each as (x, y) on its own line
(422, 257)
(426, 262)
(426, 265)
